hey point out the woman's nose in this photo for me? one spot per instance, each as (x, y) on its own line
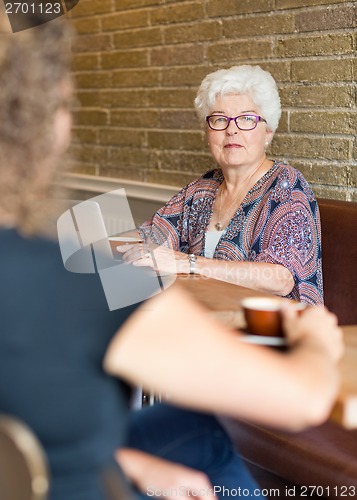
(232, 128)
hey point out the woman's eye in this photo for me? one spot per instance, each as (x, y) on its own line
(220, 119)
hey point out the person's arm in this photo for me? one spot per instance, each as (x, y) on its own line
(172, 345)
(270, 278)
(158, 477)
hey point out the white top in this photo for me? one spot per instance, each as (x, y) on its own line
(211, 241)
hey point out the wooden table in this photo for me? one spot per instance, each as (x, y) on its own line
(224, 300)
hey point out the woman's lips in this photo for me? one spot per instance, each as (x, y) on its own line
(229, 146)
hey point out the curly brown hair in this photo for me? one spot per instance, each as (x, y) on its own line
(34, 65)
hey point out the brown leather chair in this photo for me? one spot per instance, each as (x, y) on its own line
(339, 258)
(324, 456)
(23, 466)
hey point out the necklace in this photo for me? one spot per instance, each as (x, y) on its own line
(219, 223)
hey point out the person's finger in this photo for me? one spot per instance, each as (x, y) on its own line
(143, 261)
(124, 248)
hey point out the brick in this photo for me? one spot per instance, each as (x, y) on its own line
(238, 51)
(91, 7)
(280, 70)
(173, 140)
(330, 175)
(283, 123)
(354, 69)
(121, 137)
(182, 161)
(201, 32)
(225, 8)
(311, 147)
(352, 175)
(258, 25)
(123, 98)
(125, 20)
(178, 119)
(172, 98)
(330, 192)
(178, 55)
(93, 80)
(138, 38)
(326, 19)
(91, 43)
(90, 117)
(336, 70)
(137, 119)
(133, 4)
(354, 153)
(84, 169)
(305, 168)
(177, 13)
(316, 45)
(88, 98)
(291, 4)
(85, 134)
(333, 174)
(87, 153)
(133, 156)
(324, 122)
(86, 25)
(82, 62)
(352, 195)
(175, 77)
(318, 96)
(136, 78)
(125, 59)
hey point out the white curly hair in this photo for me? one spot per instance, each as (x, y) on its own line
(253, 81)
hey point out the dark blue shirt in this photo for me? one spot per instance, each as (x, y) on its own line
(54, 331)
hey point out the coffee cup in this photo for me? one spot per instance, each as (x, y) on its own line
(262, 315)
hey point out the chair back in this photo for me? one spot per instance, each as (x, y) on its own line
(23, 465)
(339, 257)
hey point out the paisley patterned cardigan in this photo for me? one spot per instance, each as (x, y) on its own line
(278, 222)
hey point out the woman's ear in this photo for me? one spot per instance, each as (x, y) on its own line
(268, 138)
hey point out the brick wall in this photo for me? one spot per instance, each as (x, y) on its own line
(138, 64)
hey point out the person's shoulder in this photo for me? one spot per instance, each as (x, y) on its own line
(295, 179)
(213, 174)
(33, 244)
(206, 182)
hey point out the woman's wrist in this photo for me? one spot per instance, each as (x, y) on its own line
(188, 264)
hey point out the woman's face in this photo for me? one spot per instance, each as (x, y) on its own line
(235, 147)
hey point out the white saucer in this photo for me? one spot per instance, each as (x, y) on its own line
(263, 340)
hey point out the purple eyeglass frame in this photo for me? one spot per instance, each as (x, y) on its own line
(258, 119)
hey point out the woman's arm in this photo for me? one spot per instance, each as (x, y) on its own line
(270, 278)
(172, 345)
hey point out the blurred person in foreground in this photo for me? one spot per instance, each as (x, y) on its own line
(250, 221)
(61, 349)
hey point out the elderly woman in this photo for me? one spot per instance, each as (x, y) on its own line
(252, 221)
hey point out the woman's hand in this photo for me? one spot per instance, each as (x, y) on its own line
(157, 477)
(315, 326)
(159, 258)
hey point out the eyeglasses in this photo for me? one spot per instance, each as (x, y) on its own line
(243, 122)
